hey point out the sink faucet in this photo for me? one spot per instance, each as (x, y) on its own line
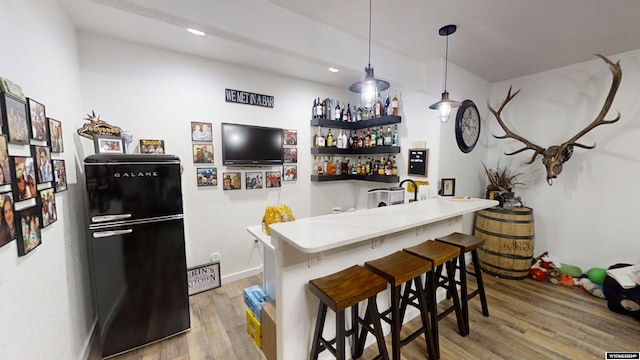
(415, 188)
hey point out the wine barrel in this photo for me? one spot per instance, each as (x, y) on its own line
(509, 241)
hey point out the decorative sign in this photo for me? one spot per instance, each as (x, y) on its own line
(249, 98)
(97, 127)
(203, 278)
(418, 162)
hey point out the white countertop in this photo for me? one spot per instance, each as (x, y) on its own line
(320, 233)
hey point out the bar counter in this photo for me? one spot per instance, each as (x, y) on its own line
(313, 247)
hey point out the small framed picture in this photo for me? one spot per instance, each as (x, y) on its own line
(48, 214)
(59, 175)
(448, 187)
(207, 176)
(274, 179)
(253, 180)
(5, 171)
(55, 131)
(203, 154)
(290, 137)
(108, 145)
(290, 155)
(29, 236)
(38, 118)
(8, 224)
(201, 131)
(203, 278)
(231, 181)
(290, 172)
(42, 154)
(24, 173)
(151, 146)
(15, 123)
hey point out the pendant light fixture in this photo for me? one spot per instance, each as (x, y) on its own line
(445, 104)
(369, 86)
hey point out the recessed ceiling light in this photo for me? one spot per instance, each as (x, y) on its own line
(333, 70)
(195, 32)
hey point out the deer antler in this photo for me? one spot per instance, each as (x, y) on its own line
(538, 150)
(599, 120)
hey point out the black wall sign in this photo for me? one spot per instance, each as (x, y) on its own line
(418, 162)
(249, 98)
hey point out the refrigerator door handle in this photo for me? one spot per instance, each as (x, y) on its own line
(104, 234)
(104, 218)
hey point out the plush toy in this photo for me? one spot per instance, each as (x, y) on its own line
(589, 286)
(597, 275)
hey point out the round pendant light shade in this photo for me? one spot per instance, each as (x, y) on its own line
(445, 104)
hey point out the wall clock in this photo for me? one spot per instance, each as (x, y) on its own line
(467, 126)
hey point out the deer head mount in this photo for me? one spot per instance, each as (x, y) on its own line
(554, 156)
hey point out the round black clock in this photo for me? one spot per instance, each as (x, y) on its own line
(467, 126)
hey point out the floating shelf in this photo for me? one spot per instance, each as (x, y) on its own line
(380, 121)
(371, 150)
(376, 178)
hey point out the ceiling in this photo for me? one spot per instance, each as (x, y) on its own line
(496, 39)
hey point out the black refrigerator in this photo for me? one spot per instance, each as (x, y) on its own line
(138, 251)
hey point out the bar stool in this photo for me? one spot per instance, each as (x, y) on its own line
(468, 243)
(340, 291)
(400, 268)
(440, 254)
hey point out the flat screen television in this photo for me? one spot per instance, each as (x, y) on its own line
(248, 145)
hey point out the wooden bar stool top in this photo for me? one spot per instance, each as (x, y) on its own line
(436, 251)
(347, 287)
(465, 242)
(399, 267)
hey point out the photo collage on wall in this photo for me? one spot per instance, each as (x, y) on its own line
(29, 179)
(289, 171)
(202, 149)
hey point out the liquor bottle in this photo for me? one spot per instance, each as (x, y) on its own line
(321, 140)
(324, 108)
(319, 167)
(314, 109)
(359, 113)
(367, 139)
(367, 167)
(380, 139)
(350, 140)
(394, 137)
(349, 115)
(388, 137)
(360, 140)
(374, 138)
(338, 140)
(319, 109)
(387, 106)
(388, 169)
(344, 114)
(331, 167)
(394, 167)
(381, 167)
(345, 140)
(330, 139)
(338, 113)
(315, 137)
(378, 107)
(394, 104)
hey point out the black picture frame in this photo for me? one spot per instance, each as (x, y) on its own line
(202, 154)
(44, 167)
(8, 227)
(290, 155)
(55, 136)
(15, 121)
(207, 176)
(59, 175)
(28, 230)
(201, 131)
(5, 168)
(151, 146)
(290, 173)
(448, 187)
(47, 206)
(24, 173)
(38, 120)
(108, 145)
(231, 181)
(253, 180)
(273, 179)
(290, 137)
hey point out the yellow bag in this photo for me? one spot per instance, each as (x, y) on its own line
(276, 214)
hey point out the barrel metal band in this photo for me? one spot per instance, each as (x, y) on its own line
(505, 236)
(512, 221)
(508, 256)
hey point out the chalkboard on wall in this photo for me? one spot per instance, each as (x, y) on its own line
(418, 162)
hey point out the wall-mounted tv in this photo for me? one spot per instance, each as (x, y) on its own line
(248, 145)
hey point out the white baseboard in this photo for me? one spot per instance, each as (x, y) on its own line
(241, 275)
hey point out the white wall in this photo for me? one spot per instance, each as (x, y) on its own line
(46, 307)
(587, 217)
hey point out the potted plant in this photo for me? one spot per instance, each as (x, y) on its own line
(502, 180)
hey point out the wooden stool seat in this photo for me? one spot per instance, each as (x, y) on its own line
(342, 290)
(400, 268)
(468, 243)
(436, 252)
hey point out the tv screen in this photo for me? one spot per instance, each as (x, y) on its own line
(244, 145)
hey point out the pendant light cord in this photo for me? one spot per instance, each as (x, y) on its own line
(369, 62)
(446, 61)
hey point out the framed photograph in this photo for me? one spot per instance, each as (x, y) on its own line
(59, 175)
(290, 155)
(253, 180)
(448, 187)
(207, 176)
(231, 181)
(48, 213)
(151, 146)
(5, 171)
(290, 172)
(274, 179)
(38, 119)
(15, 123)
(108, 145)
(203, 154)
(290, 137)
(29, 236)
(55, 131)
(8, 222)
(24, 172)
(203, 278)
(201, 131)
(42, 154)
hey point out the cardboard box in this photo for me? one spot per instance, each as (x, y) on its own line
(269, 331)
(254, 297)
(254, 329)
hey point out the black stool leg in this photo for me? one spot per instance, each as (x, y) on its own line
(424, 312)
(463, 292)
(431, 281)
(374, 317)
(340, 336)
(316, 348)
(478, 276)
(396, 322)
(456, 300)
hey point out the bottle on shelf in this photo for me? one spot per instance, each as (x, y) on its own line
(367, 139)
(381, 166)
(314, 109)
(330, 139)
(388, 169)
(366, 114)
(380, 138)
(321, 141)
(350, 141)
(360, 140)
(394, 167)
(324, 108)
(359, 113)
(378, 107)
(337, 111)
(331, 167)
(349, 115)
(387, 106)
(394, 136)
(374, 138)
(388, 137)
(338, 140)
(367, 167)
(319, 109)
(344, 114)
(394, 103)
